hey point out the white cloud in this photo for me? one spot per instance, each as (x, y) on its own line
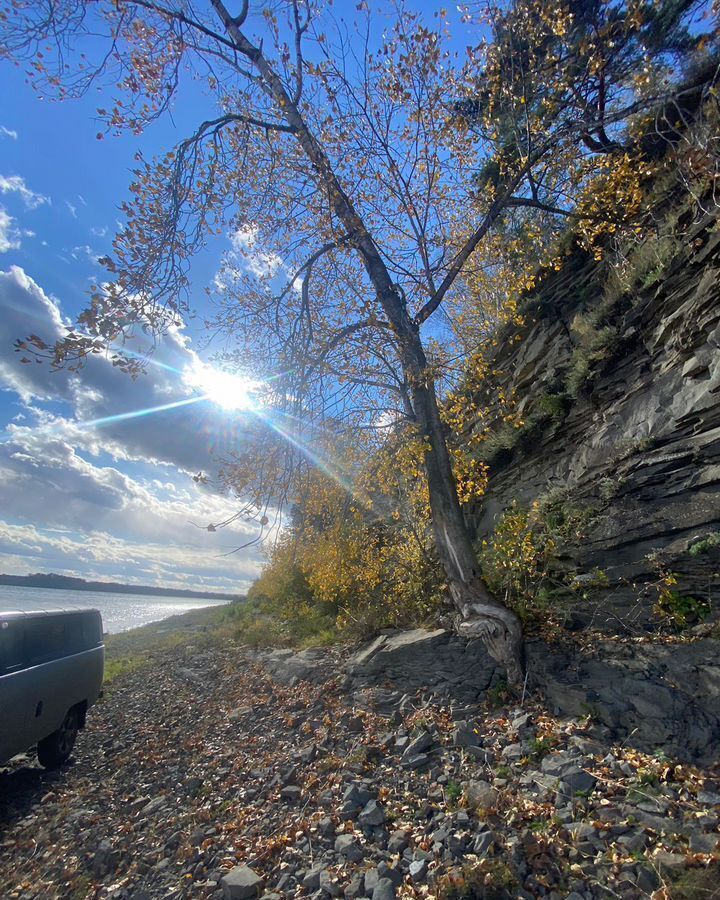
(8, 133)
(9, 235)
(249, 256)
(247, 249)
(84, 251)
(118, 482)
(15, 184)
(78, 493)
(70, 512)
(202, 433)
(26, 308)
(71, 209)
(387, 419)
(100, 555)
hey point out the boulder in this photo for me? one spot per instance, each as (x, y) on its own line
(465, 735)
(328, 884)
(356, 888)
(392, 650)
(398, 841)
(105, 860)
(386, 871)
(482, 843)
(357, 795)
(289, 667)
(384, 890)
(420, 744)
(311, 880)
(418, 871)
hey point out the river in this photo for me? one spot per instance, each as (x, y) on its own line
(119, 611)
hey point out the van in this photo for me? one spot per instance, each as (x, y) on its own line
(51, 672)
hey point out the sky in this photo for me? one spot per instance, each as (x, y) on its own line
(87, 487)
(111, 499)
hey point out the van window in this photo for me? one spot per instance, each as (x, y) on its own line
(82, 632)
(12, 645)
(34, 640)
(44, 639)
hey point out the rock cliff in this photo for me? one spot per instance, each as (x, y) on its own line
(625, 424)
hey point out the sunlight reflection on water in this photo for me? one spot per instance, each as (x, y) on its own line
(119, 611)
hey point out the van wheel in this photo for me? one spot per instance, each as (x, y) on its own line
(55, 749)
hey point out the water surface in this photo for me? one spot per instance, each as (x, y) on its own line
(119, 611)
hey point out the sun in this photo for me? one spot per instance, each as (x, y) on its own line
(232, 392)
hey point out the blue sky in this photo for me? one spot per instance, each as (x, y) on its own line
(112, 501)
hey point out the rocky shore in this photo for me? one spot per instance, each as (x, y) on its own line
(216, 771)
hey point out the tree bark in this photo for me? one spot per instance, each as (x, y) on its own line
(480, 614)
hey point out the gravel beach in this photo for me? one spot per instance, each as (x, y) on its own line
(203, 775)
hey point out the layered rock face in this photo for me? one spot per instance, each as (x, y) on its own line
(639, 446)
(650, 695)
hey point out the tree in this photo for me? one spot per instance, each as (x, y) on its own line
(366, 167)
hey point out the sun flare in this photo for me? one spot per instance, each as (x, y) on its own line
(226, 389)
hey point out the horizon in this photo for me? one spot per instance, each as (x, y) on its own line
(118, 584)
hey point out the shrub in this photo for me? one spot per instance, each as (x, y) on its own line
(578, 375)
(498, 694)
(711, 542)
(566, 520)
(676, 609)
(556, 406)
(652, 257)
(540, 747)
(514, 560)
(252, 624)
(453, 792)
(638, 264)
(347, 566)
(594, 346)
(499, 445)
(521, 559)
(116, 667)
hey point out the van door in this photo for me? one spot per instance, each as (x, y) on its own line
(46, 695)
(16, 727)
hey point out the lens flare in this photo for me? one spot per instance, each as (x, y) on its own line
(227, 390)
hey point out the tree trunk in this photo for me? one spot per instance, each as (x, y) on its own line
(480, 613)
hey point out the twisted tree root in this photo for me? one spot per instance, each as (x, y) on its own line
(500, 631)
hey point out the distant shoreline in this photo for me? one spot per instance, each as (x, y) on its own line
(68, 583)
(151, 635)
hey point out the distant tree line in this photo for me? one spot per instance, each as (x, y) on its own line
(69, 583)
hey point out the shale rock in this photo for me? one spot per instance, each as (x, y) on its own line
(241, 883)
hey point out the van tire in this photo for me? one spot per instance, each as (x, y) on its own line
(55, 749)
